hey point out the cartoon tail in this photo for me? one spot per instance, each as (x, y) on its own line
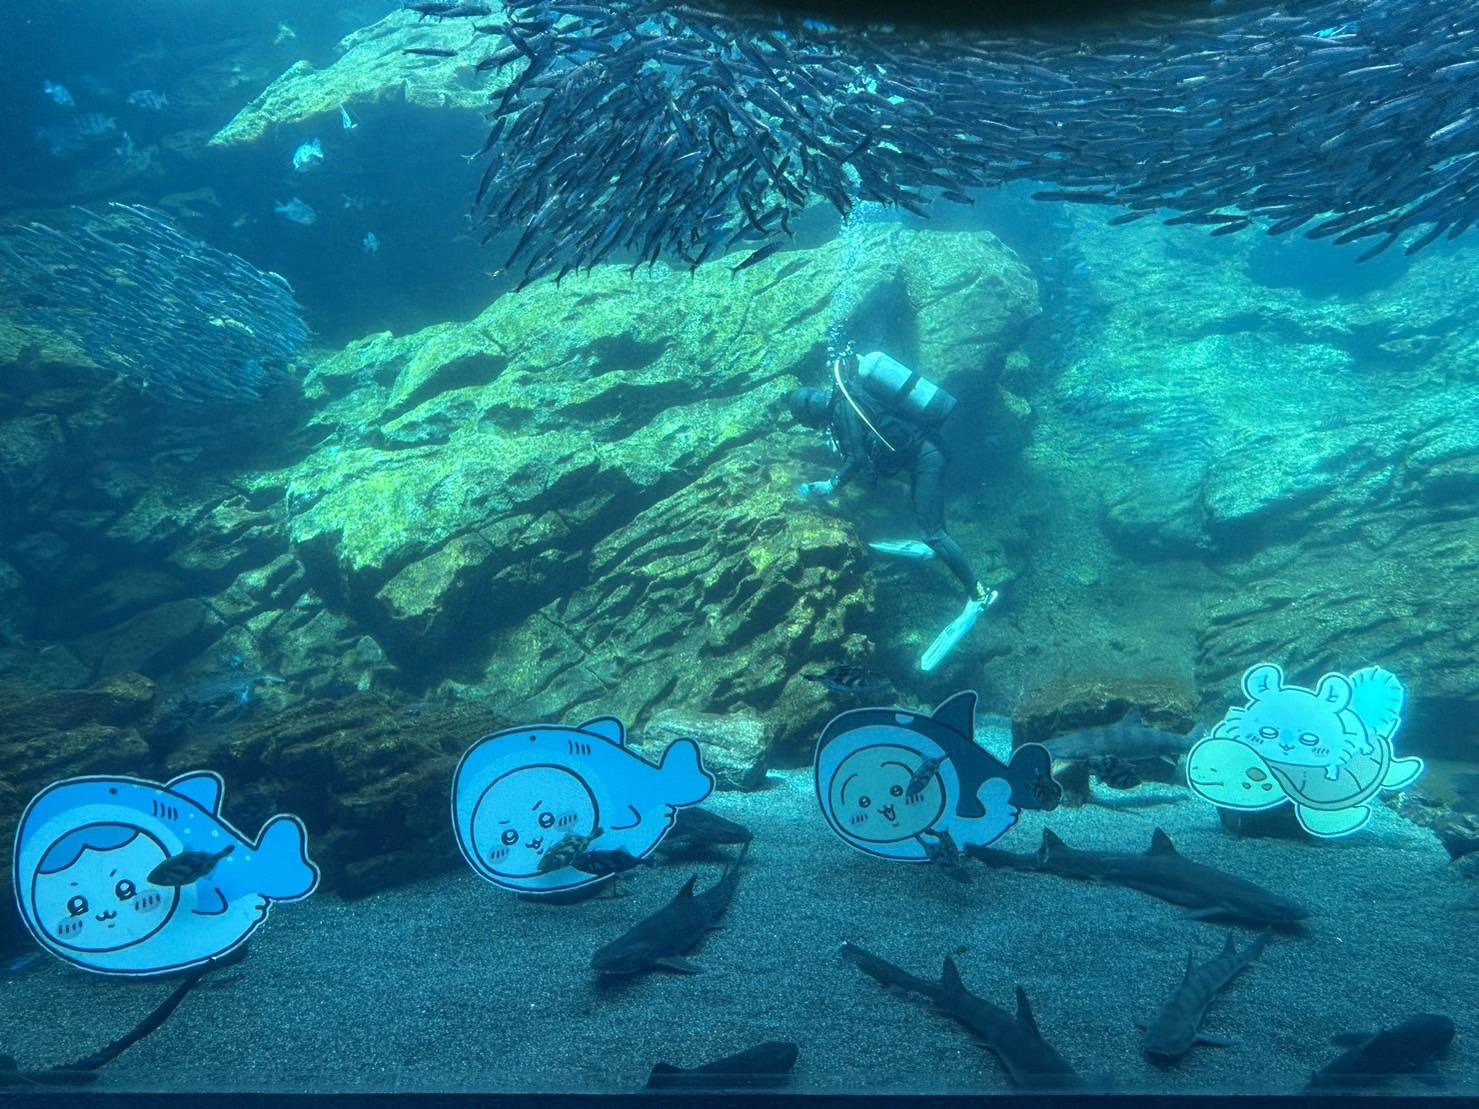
(285, 871)
(683, 774)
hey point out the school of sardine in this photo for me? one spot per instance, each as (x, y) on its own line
(638, 129)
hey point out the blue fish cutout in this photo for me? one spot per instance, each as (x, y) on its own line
(868, 768)
(86, 846)
(520, 792)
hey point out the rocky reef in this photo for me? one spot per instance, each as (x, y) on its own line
(580, 502)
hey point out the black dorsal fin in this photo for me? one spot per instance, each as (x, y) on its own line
(958, 713)
(1160, 844)
(1024, 1010)
(950, 976)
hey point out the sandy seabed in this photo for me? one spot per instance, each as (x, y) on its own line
(453, 984)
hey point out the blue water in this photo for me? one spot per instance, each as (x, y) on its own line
(304, 503)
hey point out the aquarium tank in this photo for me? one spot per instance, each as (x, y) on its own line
(700, 547)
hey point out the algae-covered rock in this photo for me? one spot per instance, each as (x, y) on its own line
(370, 783)
(373, 67)
(713, 599)
(735, 747)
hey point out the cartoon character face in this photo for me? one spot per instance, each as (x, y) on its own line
(524, 813)
(1299, 727)
(868, 799)
(103, 901)
(1229, 773)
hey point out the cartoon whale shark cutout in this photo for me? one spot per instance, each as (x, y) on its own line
(86, 846)
(519, 792)
(866, 759)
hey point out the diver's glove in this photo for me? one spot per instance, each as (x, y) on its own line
(816, 490)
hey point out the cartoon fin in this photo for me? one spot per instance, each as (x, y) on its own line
(1377, 697)
(282, 863)
(1328, 824)
(958, 713)
(678, 964)
(608, 728)
(1160, 844)
(1402, 773)
(685, 781)
(203, 787)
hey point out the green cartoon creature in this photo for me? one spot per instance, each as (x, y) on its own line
(1327, 750)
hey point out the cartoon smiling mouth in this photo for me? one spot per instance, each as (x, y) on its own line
(1286, 747)
(107, 914)
(1207, 782)
(537, 845)
(889, 813)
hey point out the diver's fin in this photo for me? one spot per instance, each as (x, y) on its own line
(904, 548)
(959, 628)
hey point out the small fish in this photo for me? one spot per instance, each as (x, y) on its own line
(767, 1064)
(296, 211)
(125, 147)
(852, 680)
(942, 851)
(283, 34)
(308, 155)
(760, 255)
(371, 243)
(148, 99)
(344, 120)
(600, 864)
(187, 867)
(562, 854)
(94, 124)
(429, 52)
(58, 94)
(921, 777)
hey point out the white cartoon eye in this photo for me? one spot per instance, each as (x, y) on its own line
(510, 837)
(125, 890)
(1268, 731)
(77, 906)
(1309, 739)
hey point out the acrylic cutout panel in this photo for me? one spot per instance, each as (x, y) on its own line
(866, 759)
(1328, 751)
(521, 792)
(85, 850)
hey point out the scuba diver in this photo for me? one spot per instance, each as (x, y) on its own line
(882, 418)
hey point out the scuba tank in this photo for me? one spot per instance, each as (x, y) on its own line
(902, 390)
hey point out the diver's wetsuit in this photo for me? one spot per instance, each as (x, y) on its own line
(916, 452)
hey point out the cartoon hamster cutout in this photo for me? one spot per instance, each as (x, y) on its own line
(520, 794)
(888, 778)
(1327, 750)
(131, 877)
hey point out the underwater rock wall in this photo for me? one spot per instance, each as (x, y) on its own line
(1294, 469)
(581, 501)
